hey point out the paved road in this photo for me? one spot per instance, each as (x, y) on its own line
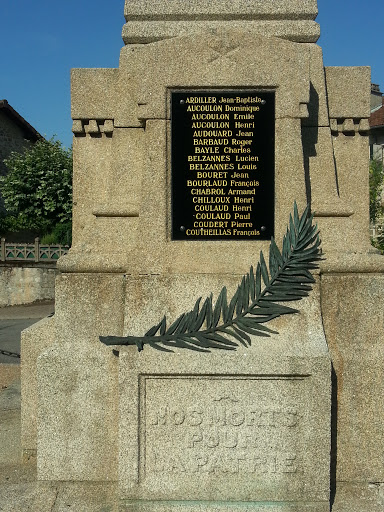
(13, 320)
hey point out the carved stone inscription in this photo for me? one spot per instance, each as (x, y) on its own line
(224, 426)
(222, 165)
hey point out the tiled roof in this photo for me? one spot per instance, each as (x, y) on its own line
(29, 132)
(377, 117)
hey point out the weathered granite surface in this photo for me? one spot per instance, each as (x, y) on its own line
(135, 419)
(152, 21)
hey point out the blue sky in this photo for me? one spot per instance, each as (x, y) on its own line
(41, 40)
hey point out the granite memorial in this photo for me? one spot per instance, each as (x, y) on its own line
(188, 160)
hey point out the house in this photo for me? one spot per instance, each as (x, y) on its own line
(16, 133)
(376, 123)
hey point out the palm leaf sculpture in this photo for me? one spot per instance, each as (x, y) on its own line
(228, 323)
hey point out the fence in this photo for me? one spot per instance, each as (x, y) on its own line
(376, 231)
(35, 252)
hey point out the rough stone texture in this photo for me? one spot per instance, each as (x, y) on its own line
(181, 445)
(96, 306)
(184, 382)
(220, 59)
(98, 87)
(349, 91)
(124, 272)
(19, 488)
(141, 32)
(223, 9)
(178, 456)
(77, 413)
(318, 105)
(176, 294)
(215, 59)
(148, 21)
(30, 495)
(289, 168)
(340, 263)
(352, 162)
(213, 506)
(315, 172)
(92, 158)
(34, 340)
(321, 182)
(23, 285)
(353, 312)
(359, 496)
(349, 234)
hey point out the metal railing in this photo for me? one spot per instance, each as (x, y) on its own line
(35, 252)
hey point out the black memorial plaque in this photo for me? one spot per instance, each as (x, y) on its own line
(223, 159)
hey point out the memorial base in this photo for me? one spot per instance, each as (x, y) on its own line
(217, 506)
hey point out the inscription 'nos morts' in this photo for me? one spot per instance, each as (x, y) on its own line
(222, 165)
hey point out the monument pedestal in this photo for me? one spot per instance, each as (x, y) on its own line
(245, 428)
(252, 429)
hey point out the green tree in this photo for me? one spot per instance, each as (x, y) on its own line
(37, 189)
(376, 178)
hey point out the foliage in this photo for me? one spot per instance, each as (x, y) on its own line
(376, 211)
(37, 189)
(9, 223)
(376, 177)
(379, 243)
(228, 323)
(61, 234)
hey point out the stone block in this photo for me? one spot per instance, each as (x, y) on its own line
(321, 177)
(211, 506)
(144, 32)
(222, 9)
(93, 93)
(188, 418)
(148, 21)
(214, 59)
(112, 240)
(348, 91)
(77, 413)
(92, 161)
(88, 305)
(318, 104)
(364, 497)
(150, 297)
(289, 169)
(105, 218)
(248, 430)
(352, 161)
(353, 312)
(255, 424)
(130, 150)
(34, 341)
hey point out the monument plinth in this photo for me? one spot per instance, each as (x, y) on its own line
(188, 159)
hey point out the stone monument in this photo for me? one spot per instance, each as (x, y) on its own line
(188, 159)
